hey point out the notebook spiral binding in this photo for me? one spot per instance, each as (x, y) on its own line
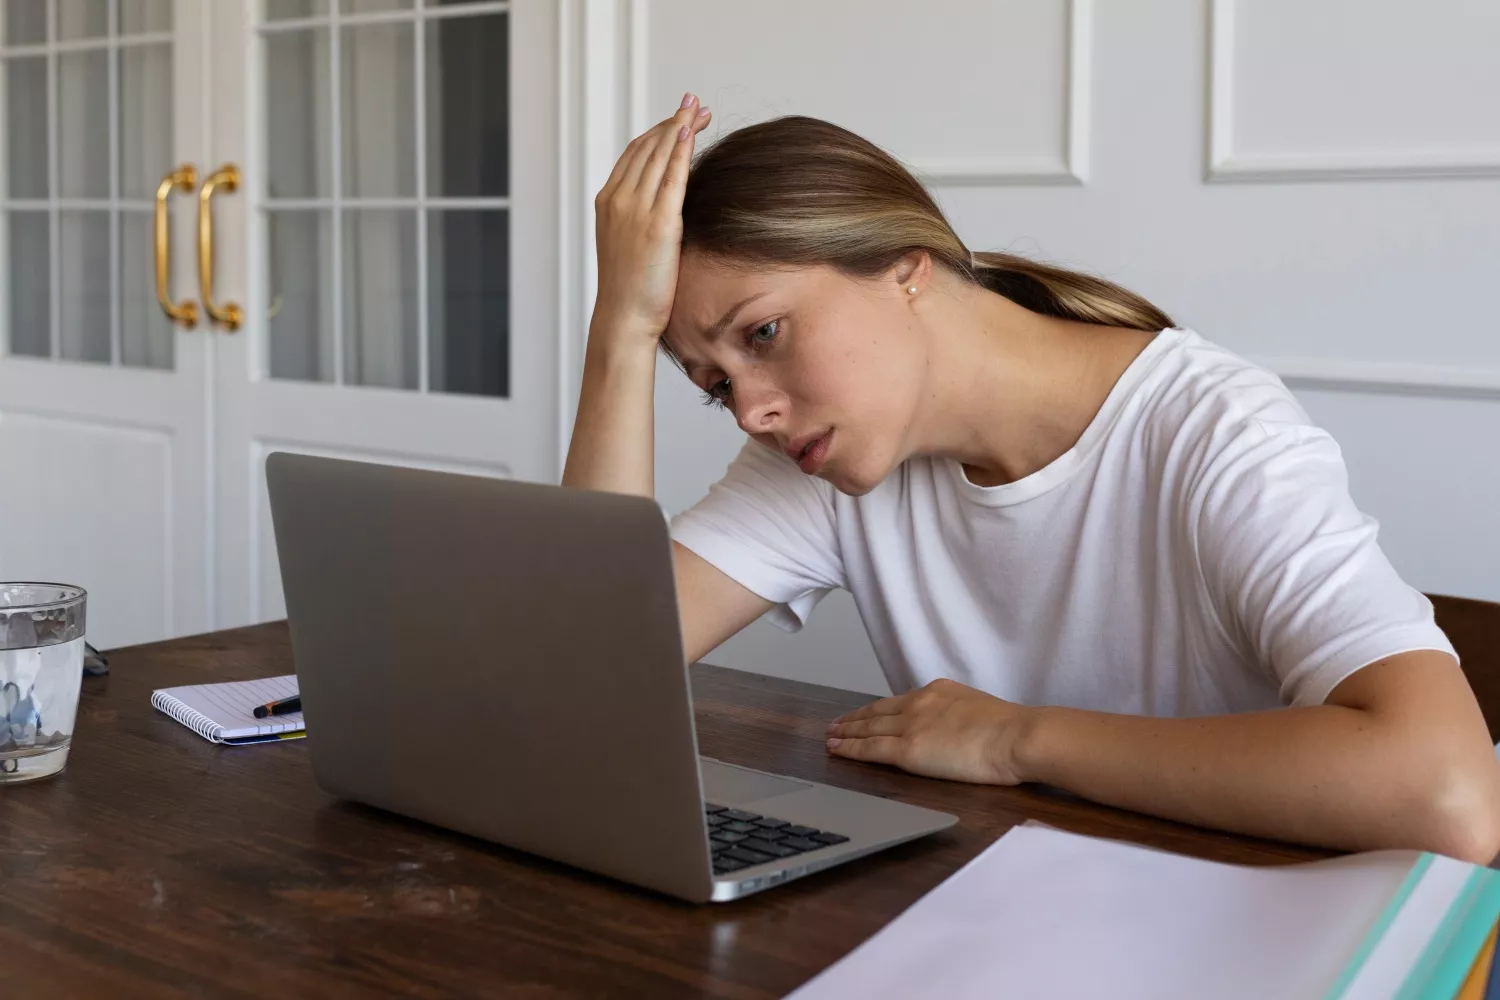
(190, 717)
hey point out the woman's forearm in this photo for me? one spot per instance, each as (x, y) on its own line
(1329, 775)
(614, 443)
(638, 238)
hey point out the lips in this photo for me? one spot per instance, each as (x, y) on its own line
(810, 452)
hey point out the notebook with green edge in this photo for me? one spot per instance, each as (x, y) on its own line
(1044, 912)
(1427, 935)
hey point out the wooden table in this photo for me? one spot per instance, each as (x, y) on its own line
(158, 865)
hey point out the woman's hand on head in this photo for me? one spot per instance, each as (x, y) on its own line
(944, 730)
(638, 227)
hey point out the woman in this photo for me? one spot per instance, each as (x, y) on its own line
(1094, 550)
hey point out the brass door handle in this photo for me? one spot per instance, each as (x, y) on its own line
(228, 315)
(184, 313)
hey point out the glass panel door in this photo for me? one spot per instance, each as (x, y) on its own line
(88, 133)
(389, 168)
(103, 402)
(387, 194)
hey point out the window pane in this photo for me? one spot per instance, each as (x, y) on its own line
(25, 22)
(145, 118)
(140, 16)
(82, 18)
(300, 265)
(380, 297)
(378, 110)
(83, 124)
(84, 270)
(286, 10)
(146, 335)
(468, 302)
(370, 6)
(468, 106)
(26, 127)
(299, 157)
(29, 255)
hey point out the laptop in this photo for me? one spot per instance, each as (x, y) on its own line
(504, 659)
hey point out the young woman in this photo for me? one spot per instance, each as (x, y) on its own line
(1092, 549)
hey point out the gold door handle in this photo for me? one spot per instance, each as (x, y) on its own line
(184, 313)
(227, 315)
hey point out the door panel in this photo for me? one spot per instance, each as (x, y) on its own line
(372, 247)
(103, 405)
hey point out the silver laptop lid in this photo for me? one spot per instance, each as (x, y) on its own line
(500, 658)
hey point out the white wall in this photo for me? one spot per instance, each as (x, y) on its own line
(1312, 183)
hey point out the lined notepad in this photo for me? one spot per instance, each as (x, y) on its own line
(223, 713)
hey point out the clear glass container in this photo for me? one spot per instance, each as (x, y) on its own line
(41, 671)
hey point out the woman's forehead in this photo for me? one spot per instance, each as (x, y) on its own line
(708, 288)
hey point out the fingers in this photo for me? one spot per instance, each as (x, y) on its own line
(672, 155)
(885, 706)
(876, 749)
(875, 725)
(653, 141)
(623, 166)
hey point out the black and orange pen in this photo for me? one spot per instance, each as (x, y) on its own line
(282, 707)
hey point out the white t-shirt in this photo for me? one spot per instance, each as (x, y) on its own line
(1195, 553)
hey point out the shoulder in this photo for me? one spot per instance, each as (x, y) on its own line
(1199, 384)
(1206, 407)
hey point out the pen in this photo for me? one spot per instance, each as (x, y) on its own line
(282, 707)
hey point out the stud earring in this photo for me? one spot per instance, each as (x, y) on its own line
(912, 290)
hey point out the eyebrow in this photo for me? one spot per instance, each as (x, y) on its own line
(715, 331)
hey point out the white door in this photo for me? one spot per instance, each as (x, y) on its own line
(392, 244)
(104, 476)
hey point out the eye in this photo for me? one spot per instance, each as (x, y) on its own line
(717, 394)
(765, 333)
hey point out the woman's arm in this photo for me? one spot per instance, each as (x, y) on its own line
(1398, 756)
(639, 237)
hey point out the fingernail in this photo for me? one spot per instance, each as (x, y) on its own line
(702, 112)
(687, 99)
(834, 743)
(682, 133)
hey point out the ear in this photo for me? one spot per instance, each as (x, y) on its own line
(913, 270)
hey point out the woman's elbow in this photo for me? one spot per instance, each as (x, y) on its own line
(1461, 812)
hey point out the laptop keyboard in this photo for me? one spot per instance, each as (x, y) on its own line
(740, 839)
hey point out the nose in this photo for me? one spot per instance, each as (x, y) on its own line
(758, 407)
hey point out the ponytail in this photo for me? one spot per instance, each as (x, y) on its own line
(1065, 294)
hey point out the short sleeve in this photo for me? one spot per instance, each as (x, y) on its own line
(770, 528)
(1295, 568)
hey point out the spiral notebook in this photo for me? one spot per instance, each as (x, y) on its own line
(223, 713)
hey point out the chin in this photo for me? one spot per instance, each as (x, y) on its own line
(855, 479)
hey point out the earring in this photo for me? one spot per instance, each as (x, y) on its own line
(912, 290)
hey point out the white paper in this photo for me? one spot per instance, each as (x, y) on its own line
(1044, 913)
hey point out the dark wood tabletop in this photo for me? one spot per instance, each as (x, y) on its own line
(159, 865)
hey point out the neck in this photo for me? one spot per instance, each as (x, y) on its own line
(1010, 390)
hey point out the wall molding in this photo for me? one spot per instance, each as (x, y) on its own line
(1071, 168)
(1387, 378)
(1225, 164)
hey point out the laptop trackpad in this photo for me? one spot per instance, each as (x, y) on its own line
(729, 785)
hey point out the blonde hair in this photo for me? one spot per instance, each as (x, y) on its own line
(799, 191)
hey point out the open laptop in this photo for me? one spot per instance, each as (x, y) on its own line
(504, 659)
